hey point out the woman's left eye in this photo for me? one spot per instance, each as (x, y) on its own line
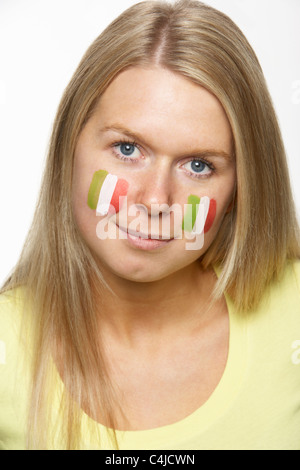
(198, 168)
(127, 150)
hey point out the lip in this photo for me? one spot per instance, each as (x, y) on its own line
(143, 241)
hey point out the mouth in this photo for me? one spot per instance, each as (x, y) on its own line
(145, 241)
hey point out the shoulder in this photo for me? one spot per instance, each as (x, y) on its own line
(279, 310)
(284, 293)
(11, 303)
(289, 283)
(296, 270)
(11, 298)
(13, 374)
(12, 339)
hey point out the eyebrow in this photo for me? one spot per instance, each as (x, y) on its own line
(123, 130)
(136, 136)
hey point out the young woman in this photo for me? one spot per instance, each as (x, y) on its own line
(156, 303)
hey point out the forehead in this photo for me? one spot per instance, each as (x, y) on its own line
(158, 102)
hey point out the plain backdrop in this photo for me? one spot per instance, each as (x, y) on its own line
(41, 44)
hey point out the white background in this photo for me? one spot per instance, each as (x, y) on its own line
(41, 44)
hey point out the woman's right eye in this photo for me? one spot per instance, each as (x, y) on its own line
(127, 150)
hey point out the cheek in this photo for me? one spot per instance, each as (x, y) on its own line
(105, 192)
(199, 214)
(211, 215)
(120, 191)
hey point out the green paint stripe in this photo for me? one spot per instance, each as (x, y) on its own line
(94, 191)
(191, 213)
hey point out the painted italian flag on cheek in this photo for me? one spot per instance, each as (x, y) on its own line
(105, 191)
(199, 215)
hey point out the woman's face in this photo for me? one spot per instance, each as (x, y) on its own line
(169, 139)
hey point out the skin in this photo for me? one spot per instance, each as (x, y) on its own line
(157, 326)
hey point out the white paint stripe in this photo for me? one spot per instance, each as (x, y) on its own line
(2, 352)
(201, 215)
(106, 193)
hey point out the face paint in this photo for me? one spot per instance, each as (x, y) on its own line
(199, 215)
(211, 215)
(105, 191)
(191, 213)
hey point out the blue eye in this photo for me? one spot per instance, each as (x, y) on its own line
(127, 151)
(198, 168)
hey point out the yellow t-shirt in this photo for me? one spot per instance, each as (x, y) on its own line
(255, 406)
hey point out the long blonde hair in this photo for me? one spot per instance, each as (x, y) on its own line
(257, 237)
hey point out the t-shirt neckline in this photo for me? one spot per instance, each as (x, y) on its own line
(199, 420)
(221, 398)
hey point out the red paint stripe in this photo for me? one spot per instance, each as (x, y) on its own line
(121, 189)
(211, 215)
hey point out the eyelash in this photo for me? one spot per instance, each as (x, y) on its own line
(123, 157)
(200, 176)
(134, 160)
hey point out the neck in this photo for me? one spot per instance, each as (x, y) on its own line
(169, 304)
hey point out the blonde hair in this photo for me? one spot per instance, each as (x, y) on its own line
(256, 239)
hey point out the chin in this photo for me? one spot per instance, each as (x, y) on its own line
(140, 274)
(143, 271)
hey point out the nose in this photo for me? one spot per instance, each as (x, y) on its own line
(155, 189)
